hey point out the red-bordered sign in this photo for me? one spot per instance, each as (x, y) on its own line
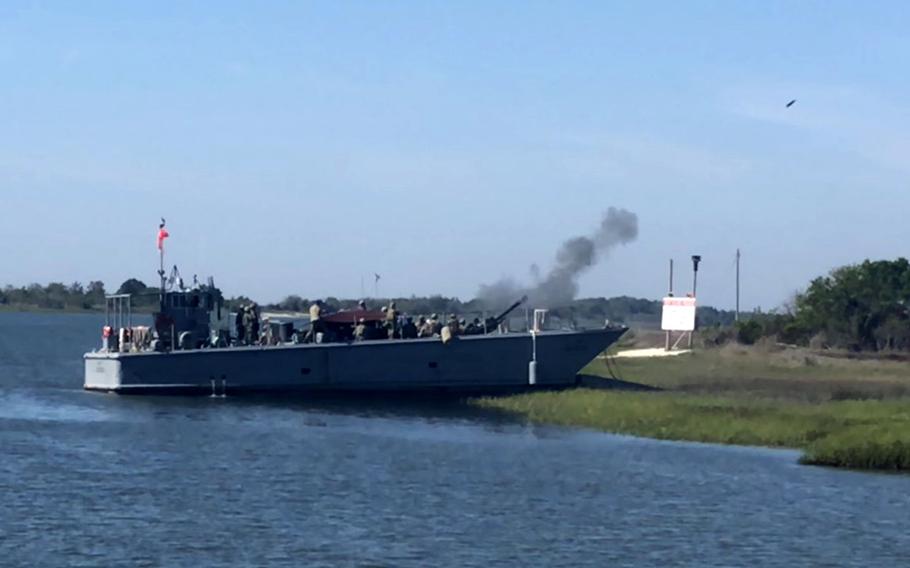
(678, 314)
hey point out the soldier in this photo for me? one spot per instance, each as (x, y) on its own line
(453, 326)
(422, 329)
(254, 330)
(362, 305)
(315, 321)
(267, 338)
(238, 325)
(248, 325)
(473, 328)
(409, 330)
(360, 330)
(391, 321)
(435, 325)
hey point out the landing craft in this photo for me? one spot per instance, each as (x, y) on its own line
(172, 359)
(191, 348)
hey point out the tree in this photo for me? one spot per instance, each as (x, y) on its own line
(292, 303)
(860, 306)
(132, 286)
(55, 296)
(94, 294)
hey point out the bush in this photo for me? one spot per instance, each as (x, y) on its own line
(748, 332)
(715, 336)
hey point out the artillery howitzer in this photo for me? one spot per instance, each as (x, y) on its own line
(492, 324)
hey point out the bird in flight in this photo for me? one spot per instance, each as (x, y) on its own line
(791, 103)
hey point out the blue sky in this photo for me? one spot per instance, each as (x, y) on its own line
(295, 147)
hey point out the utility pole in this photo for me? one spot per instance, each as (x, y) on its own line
(737, 285)
(669, 294)
(671, 278)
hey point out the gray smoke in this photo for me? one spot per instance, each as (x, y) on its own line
(559, 286)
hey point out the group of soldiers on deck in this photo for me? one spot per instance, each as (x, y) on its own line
(393, 325)
(252, 329)
(404, 327)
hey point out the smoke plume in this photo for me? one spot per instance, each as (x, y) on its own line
(559, 286)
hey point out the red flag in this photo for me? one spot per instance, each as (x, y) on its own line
(162, 234)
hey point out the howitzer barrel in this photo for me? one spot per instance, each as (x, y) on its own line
(501, 317)
(492, 323)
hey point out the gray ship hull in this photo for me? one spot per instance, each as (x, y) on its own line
(471, 364)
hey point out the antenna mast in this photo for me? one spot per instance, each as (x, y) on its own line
(162, 234)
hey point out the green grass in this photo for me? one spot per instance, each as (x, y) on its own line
(796, 375)
(842, 412)
(873, 446)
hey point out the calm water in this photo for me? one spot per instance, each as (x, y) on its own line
(91, 479)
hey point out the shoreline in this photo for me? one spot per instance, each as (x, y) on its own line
(840, 413)
(869, 447)
(23, 309)
(7, 309)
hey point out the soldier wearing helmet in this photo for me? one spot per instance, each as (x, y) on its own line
(360, 330)
(391, 320)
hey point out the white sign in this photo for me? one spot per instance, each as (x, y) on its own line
(678, 314)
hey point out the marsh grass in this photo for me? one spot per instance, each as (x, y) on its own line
(796, 375)
(846, 413)
(873, 446)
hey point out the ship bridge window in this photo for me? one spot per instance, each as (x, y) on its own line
(194, 301)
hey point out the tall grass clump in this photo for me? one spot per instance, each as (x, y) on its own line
(882, 447)
(672, 416)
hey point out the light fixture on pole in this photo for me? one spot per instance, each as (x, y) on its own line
(695, 260)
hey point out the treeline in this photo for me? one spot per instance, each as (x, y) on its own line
(75, 296)
(55, 296)
(862, 306)
(622, 309)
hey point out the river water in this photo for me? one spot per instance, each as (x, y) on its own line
(101, 480)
